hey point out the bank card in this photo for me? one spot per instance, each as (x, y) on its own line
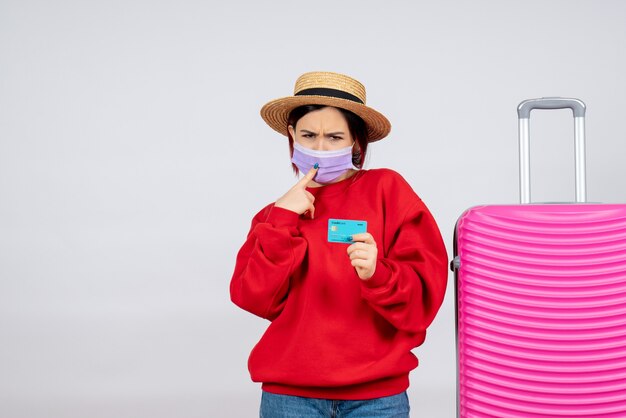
(341, 230)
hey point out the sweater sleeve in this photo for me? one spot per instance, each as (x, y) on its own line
(409, 283)
(266, 261)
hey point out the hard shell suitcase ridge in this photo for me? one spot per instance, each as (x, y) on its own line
(541, 300)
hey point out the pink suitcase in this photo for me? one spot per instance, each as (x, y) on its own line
(541, 300)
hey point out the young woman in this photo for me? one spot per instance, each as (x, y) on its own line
(348, 265)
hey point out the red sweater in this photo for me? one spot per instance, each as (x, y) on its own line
(333, 335)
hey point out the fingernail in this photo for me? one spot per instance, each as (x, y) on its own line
(316, 166)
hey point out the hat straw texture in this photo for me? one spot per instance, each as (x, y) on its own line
(328, 89)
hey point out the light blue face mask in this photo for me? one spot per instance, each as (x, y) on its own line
(332, 164)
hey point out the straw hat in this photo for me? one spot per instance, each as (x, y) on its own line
(330, 89)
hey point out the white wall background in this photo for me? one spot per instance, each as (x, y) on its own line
(132, 158)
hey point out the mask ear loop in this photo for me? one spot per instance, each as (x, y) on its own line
(356, 156)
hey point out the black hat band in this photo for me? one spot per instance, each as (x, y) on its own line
(321, 91)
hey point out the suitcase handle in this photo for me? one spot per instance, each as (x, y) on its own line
(577, 106)
(523, 113)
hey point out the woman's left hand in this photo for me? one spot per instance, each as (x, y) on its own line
(363, 255)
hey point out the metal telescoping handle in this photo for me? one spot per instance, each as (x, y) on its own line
(523, 112)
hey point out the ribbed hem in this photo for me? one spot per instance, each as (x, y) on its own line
(336, 188)
(381, 276)
(278, 217)
(377, 389)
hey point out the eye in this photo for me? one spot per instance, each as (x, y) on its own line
(307, 135)
(335, 138)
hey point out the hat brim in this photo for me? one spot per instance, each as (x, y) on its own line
(276, 113)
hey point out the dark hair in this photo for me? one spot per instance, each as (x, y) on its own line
(358, 131)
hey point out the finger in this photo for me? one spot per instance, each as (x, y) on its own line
(358, 246)
(307, 177)
(358, 255)
(352, 248)
(358, 250)
(311, 199)
(361, 264)
(365, 237)
(364, 254)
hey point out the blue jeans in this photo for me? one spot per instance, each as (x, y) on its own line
(285, 406)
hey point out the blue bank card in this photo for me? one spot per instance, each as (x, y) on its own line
(341, 230)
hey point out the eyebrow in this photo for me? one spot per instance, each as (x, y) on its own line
(328, 134)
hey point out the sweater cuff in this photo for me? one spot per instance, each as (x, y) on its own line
(279, 217)
(381, 276)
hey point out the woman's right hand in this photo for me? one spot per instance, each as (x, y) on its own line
(298, 199)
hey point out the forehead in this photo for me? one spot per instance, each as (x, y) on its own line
(328, 117)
